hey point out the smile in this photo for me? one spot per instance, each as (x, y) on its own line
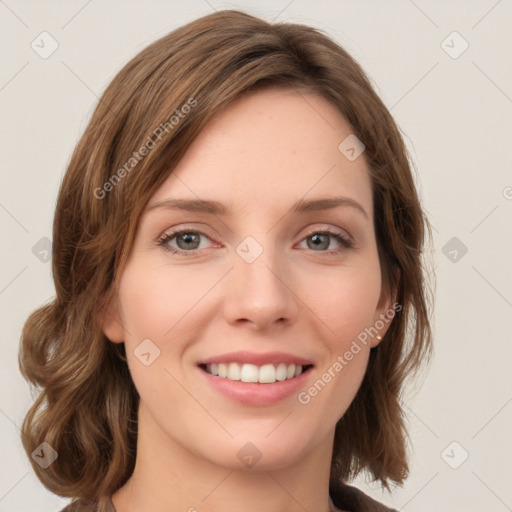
(265, 374)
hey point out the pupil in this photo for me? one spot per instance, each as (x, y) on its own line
(317, 241)
(187, 238)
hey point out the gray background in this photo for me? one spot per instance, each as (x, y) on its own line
(456, 114)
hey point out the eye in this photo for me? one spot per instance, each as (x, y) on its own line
(319, 241)
(187, 241)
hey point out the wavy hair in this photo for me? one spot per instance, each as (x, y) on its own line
(87, 404)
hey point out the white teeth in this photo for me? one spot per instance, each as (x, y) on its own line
(266, 374)
(233, 371)
(281, 372)
(249, 372)
(223, 370)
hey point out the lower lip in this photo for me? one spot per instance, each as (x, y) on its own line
(254, 393)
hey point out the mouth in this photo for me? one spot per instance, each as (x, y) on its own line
(251, 373)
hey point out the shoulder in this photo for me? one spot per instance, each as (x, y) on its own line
(346, 497)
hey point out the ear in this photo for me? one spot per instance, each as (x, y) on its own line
(386, 308)
(111, 320)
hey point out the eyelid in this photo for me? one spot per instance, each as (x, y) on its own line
(327, 228)
(312, 228)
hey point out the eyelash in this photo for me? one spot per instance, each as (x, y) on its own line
(164, 240)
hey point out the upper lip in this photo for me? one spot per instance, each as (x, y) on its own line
(258, 359)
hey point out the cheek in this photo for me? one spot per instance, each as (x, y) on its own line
(161, 304)
(153, 306)
(157, 299)
(346, 301)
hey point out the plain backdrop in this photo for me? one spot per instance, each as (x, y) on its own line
(443, 68)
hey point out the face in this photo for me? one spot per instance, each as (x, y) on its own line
(277, 274)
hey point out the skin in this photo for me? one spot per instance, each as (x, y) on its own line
(262, 153)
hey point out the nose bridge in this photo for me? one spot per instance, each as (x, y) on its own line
(258, 290)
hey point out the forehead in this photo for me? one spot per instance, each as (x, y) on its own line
(268, 148)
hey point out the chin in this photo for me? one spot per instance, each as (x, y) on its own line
(260, 453)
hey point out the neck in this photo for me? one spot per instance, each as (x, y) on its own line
(168, 477)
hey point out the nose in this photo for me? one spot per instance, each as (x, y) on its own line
(259, 293)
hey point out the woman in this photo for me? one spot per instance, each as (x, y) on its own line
(237, 257)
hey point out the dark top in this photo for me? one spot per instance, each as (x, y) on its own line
(344, 497)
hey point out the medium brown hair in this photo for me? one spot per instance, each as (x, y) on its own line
(87, 405)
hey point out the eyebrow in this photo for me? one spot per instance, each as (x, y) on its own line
(216, 208)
